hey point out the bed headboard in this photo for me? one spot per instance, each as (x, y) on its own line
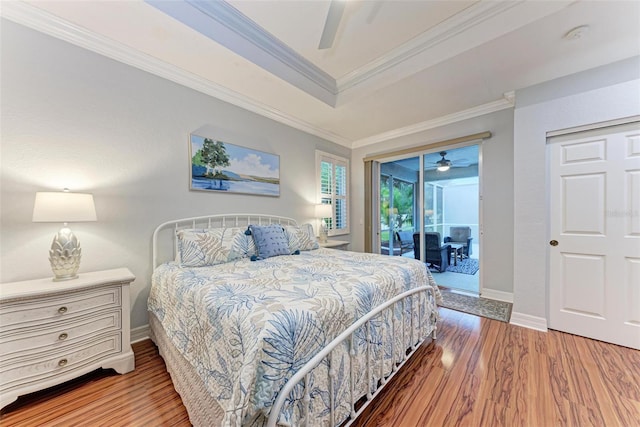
(165, 243)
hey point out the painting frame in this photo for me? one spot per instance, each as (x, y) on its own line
(222, 167)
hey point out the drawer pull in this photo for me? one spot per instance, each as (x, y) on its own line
(63, 336)
(62, 310)
(62, 362)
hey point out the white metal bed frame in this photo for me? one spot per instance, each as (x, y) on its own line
(208, 221)
(303, 375)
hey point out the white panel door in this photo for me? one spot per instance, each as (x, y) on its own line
(594, 257)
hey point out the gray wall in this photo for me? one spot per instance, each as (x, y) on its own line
(72, 118)
(497, 183)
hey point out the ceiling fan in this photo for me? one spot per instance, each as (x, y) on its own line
(334, 16)
(443, 164)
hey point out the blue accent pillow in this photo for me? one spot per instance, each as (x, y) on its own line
(270, 240)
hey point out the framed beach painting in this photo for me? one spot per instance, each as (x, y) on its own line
(221, 167)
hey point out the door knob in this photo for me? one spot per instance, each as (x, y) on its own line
(553, 243)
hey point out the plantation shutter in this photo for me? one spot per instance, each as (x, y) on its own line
(334, 188)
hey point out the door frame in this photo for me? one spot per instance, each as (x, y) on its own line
(375, 195)
(392, 180)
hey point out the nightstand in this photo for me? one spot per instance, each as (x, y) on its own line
(51, 332)
(335, 244)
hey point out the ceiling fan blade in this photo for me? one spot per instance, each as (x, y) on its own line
(336, 9)
(374, 11)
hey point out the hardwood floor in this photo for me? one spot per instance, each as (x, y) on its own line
(144, 397)
(479, 372)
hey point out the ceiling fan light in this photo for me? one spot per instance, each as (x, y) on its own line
(443, 164)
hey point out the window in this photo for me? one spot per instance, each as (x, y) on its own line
(401, 196)
(333, 187)
(434, 208)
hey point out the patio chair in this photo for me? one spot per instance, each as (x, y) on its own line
(435, 252)
(405, 238)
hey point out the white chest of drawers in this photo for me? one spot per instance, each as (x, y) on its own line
(51, 332)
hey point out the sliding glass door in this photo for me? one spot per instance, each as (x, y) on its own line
(451, 216)
(433, 208)
(437, 192)
(398, 207)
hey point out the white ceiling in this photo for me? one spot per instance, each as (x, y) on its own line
(396, 67)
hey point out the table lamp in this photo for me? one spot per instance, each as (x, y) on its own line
(323, 211)
(64, 207)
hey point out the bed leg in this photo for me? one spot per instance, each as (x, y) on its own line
(352, 375)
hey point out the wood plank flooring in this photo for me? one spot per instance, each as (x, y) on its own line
(479, 372)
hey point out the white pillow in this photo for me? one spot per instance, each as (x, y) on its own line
(202, 247)
(301, 238)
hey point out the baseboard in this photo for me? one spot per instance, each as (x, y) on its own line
(140, 333)
(528, 321)
(497, 295)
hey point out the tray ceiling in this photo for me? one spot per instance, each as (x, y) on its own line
(395, 67)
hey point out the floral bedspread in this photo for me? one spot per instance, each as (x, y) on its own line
(247, 327)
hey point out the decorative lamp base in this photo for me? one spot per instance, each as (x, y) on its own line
(322, 236)
(64, 255)
(63, 278)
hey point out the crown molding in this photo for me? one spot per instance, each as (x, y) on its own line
(457, 24)
(248, 39)
(501, 104)
(44, 22)
(226, 25)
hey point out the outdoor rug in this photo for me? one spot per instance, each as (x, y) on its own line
(492, 309)
(466, 266)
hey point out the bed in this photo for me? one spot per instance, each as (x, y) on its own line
(304, 338)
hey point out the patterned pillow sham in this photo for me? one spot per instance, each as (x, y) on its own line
(270, 241)
(202, 247)
(301, 238)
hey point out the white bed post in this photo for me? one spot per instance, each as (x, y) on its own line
(413, 342)
(393, 339)
(332, 398)
(352, 371)
(435, 326)
(402, 324)
(383, 332)
(306, 400)
(369, 362)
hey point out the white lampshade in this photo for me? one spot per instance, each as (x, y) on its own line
(323, 211)
(64, 207)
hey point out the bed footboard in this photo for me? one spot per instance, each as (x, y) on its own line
(302, 377)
